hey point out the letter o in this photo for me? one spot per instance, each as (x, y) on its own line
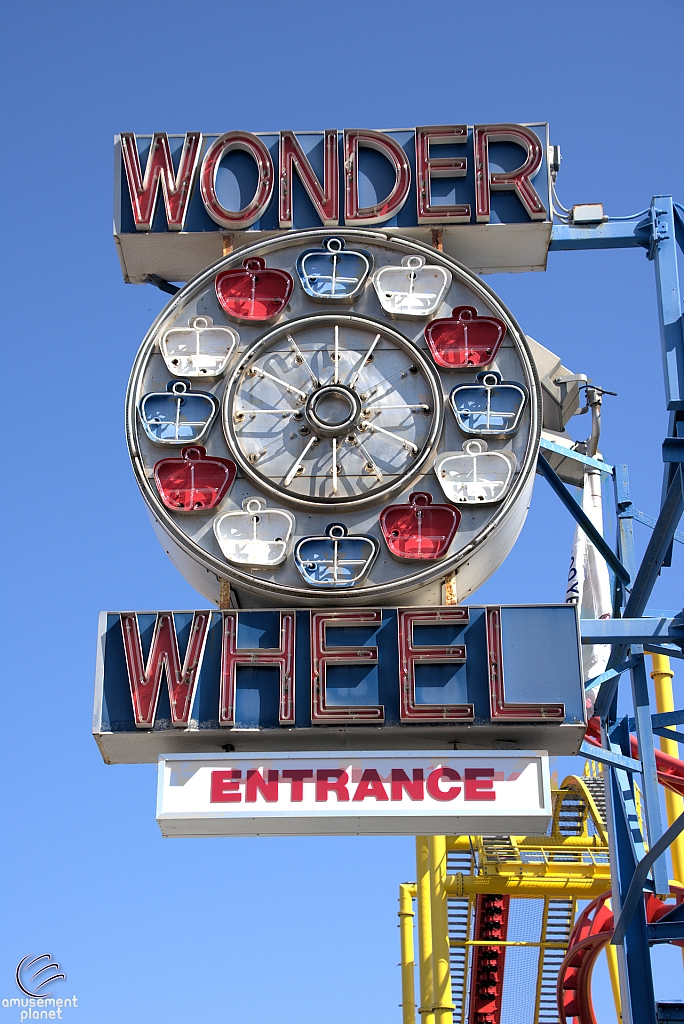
(433, 781)
(248, 143)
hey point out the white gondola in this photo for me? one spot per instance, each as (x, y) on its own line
(257, 536)
(198, 350)
(412, 290)
(475, 476)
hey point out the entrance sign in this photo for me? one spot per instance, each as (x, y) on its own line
(311, 679)
(354, 793)
(487, 187)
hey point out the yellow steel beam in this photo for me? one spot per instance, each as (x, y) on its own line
(427, 997)
(406, 915)
(440, 930)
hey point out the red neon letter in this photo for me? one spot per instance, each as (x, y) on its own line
(388, 207)
(145, 680)
(176, 188)
(322, 656)
(257, 784)
(325, 199)
(237, 220)
(411, 655)
(225, 787)
(281, 658)
(370, 785)
(479, 784)
(433, 780)
(400, 782)
(499, 707)
(331, 780)
(428, 167)
(296, 777)
(518, 181)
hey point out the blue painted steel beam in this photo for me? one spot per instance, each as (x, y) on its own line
(649, 521)
(610, 757)
(626, 850)
(636, 888)
(581, 518)
(631, 631)
(608, 235)
(670, 927)
(664, 254)
(568, 453)
(666, 651)
(649, 774)
(657, 547)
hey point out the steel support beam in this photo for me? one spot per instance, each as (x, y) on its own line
(636, 887)
(581, 518)
(649, 773)
(631, 631)
(663, 251)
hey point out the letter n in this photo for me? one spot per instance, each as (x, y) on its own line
(176, 188)
(164, 657)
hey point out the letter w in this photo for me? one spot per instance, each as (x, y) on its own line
(145, 680)
(176, 188)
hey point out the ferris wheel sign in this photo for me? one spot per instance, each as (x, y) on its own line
(335, 431)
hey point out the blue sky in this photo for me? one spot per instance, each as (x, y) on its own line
(302, 929)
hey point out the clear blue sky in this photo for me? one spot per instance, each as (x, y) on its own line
(297, 930)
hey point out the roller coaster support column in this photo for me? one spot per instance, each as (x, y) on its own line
(406, 915)
(423, 891)
(440, 930)
(662, 676)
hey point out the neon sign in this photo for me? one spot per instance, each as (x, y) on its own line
(402, 676)
(451, 178)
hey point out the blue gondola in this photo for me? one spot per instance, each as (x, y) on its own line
(490, 408)
(336, 560)
(333, 273)
(177, 415)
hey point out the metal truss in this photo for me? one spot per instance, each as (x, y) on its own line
(636, 872)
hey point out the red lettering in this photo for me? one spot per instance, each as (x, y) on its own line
(296, 777)
(237, 220)
(410, 655)
(499, 707)
(281, 658)
(176, 188)
(434, 779)
(331, 780)
(518, 181)
(325, 198)
(164, 658)
(370, 785)
(257, 784)
(322, 656)
(389, 148)
(479, 784)
(225, 786)
(428, 167)
(401, 784)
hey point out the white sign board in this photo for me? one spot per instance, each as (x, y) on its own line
(354, 793)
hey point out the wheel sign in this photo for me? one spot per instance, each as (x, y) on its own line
(342, 375)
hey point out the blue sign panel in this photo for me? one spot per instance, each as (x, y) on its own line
(379, 678)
